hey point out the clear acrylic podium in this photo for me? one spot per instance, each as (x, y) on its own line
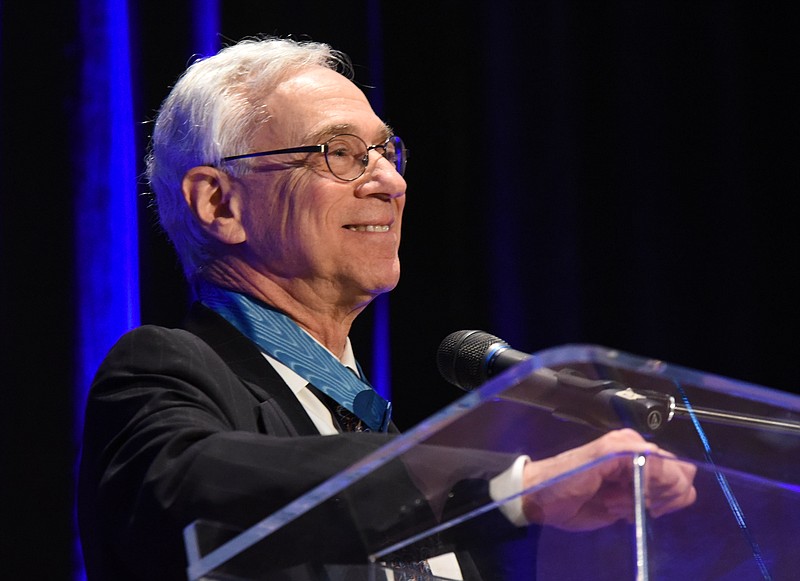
(744, 440)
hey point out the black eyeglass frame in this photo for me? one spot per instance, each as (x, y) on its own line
(401, 154)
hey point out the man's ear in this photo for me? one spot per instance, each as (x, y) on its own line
(215, 201)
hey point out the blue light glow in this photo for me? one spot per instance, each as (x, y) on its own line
(206, 27)
(106, 237)
(106, 222)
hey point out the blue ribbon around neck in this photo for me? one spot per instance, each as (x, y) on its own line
(281, 338)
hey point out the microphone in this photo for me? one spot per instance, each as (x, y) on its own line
(467, 359)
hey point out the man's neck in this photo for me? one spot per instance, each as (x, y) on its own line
(325, 319)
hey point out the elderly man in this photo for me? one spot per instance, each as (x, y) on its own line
(283, 193)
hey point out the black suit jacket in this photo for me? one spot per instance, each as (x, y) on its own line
(187, 424)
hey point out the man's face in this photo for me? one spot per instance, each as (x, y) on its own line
(338, 240)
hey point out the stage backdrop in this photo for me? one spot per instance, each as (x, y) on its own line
(619, 172)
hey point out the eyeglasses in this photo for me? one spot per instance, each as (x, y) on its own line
(346, 155)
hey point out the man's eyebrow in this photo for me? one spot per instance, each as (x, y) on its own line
(384, 133)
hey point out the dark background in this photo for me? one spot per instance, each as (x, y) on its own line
(620, 173)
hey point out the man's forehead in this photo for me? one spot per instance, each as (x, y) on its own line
(317, 103)
(314, 76)
(317, 84)
(379, 131)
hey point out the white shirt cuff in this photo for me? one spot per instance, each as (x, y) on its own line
(507, 484)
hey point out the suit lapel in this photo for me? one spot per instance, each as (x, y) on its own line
(277, 404)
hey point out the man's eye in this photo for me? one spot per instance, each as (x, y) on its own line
(340, 151)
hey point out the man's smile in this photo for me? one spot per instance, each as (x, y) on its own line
(368, 227)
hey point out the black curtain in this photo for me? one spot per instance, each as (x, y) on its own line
(621, 173)
(617, 173)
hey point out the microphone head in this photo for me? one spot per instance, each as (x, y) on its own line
(463, 356)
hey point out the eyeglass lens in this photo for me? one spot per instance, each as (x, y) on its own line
(347, 155)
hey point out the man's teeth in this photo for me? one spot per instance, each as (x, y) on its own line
(368, 228)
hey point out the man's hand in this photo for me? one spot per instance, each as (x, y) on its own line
(603, 494)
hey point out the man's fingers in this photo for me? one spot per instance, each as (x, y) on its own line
(669, 485)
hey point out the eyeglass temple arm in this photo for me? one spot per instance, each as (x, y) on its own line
(302, 149)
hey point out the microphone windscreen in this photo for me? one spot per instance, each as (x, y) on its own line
(462, 357)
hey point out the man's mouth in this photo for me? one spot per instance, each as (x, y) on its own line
(368, 227)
